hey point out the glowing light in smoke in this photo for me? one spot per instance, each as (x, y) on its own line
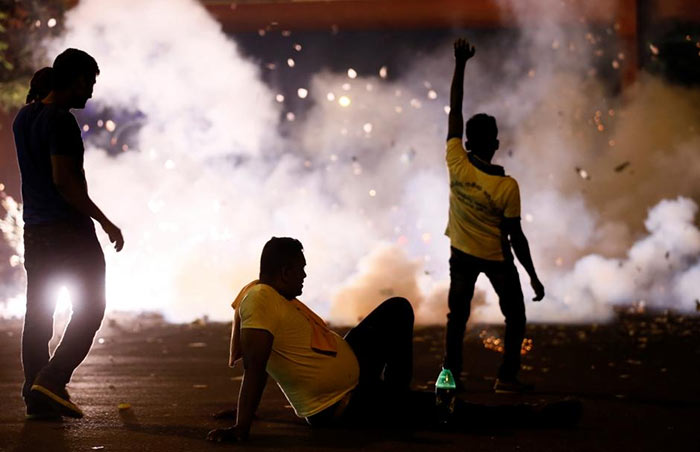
(383, 72)
(302, 93)
(352, 73)
(330, 97)
(110, 125)
(344, 101)
(51, 23)
(290, 62)
(367, 127)
(279, 98)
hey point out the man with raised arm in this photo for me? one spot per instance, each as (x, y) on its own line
(59, 236)
(483, 225)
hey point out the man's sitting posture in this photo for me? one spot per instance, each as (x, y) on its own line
(361, 379)
(484, 222)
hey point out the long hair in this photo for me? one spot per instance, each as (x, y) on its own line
(70, 65)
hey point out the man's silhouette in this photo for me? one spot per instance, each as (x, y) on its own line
(484, 222)
(61, 247)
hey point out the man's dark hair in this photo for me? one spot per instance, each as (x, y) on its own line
(72, 64)
(481, 130)
(278, 253)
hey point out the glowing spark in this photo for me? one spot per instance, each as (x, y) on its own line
(63, 304)
(432, 94)
(654, 49)
(37, 24)
(100, 123)
(616, 64)
(101, 340)
(426, 237)
(398, 109)
(330, 97)
(302, 93)
(447, 109)
(346, 87)
(290, 62)
(297, 47)
(352, 73)
(611, 143)
(531, 73)
(51, 23)
(291, 116)
(110, 125)
(529, 218)
(169, 164)
(583, 173)
(415, 103)
(279, 98)
(261, 32)
(344, 101)
(373, 193)
(383, 72)
(601, 127)
(367, 127)
(86, 128)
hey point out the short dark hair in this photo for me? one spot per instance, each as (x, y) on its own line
(481, 128)
(70, 65)
(278, 253)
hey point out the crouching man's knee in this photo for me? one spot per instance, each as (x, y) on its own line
(401, 309)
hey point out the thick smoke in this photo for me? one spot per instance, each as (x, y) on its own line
(366, 188)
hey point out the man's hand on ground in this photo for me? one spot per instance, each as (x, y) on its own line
(463, 51)
(538, 288)
(227, 435)
(114, 234)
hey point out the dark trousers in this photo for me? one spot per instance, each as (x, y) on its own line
(58, 255)
(383, 344)
(503, 275)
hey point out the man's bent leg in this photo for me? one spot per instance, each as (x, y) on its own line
(40, 265)
(506, 283)
(383, 342)
(463, 274)
(88, 299)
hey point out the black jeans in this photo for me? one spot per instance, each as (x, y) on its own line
(503, 275)
(55, 255)
(383, 344)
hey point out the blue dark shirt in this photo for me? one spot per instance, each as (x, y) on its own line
(43, 130)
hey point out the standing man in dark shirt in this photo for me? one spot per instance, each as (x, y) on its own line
(484, 223)
(61, 247)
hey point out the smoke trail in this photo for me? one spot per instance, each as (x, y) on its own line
(365, 189)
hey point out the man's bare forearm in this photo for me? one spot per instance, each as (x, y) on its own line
(522, 252)
(457, 88)
(254, 380)
(76, 195)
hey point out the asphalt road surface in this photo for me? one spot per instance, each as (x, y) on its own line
(637, 378)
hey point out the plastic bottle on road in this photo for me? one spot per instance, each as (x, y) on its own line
(445, 392)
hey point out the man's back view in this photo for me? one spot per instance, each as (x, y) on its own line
(61, 247)
(484, 222)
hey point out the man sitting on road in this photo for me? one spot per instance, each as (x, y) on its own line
(361, 379)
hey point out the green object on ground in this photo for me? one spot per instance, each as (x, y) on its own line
(445, 380)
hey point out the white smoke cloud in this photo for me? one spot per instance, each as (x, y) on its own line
(366, 191)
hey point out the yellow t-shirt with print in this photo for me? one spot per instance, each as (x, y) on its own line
(311, 381)
(479, 202)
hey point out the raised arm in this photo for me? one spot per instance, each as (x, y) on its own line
(521, 248)
(70, 183)
(256, 345)
(463, 51)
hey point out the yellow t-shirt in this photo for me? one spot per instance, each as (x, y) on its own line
(311, 381)
(478, 204)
